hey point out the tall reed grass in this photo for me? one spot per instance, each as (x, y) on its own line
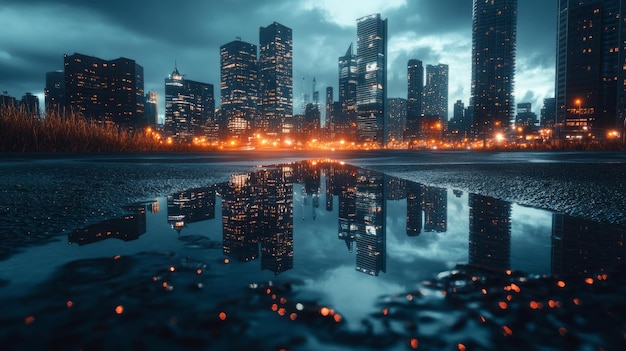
(24, 132)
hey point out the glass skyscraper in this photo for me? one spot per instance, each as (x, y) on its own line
(345, 126)
(189, 107)
(276, 79)
(239, 87)
(415, 85)
(110, 91)
(436, 91)
(591, 67)
(371, 93)
(493, 65)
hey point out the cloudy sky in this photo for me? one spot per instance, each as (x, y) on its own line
(156, 34)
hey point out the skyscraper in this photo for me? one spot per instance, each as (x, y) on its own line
(415, 83)
(55, 92)
(490, 232)
(371, 93)
(276, 79)
(493, 65)
(239, 88)
(152, 109)
(109, 91)
(591, 67)
(189, 107)
(396, 120)
(346, 121)
(435, 101)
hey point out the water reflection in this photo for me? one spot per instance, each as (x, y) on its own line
(368, 211)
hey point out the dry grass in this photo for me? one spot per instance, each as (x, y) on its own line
(23, 132)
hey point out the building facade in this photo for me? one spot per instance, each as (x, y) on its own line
(435, 101)
(591, 68)
(494, 36)
(54, 93)
(239, 88)
(345, 127)
(371, 79)
(276, 79)
(189, 107)
(415, 91)
(107, 91)
(396, 121)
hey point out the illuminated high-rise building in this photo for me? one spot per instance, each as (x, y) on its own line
(591, 68)
(413, 209)
(276, 79)
(152, 109)
(240, 217)
(435, 101)
(435, 205)
(396, 120)
(108, 91)
(493, 65)
(415, 85)
(189, 107)
(371, 93)
(345, 125)
(55, 92)
(239, 87)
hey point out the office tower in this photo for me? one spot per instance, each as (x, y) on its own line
(590, 68)
(371, 217)
(490, 232)
(435, 101)
(493, 65)
(152, 109)
(371, 92)
(311, 127)
(189, 107)
(346, 121)
(108, 91)
(415, 91)
(7, 101)
(55, 92)
(460, 124)
(30, 104)
(330, 113)
(240, 217)
(525, 118)
(276, 79)
(239, 88)
(396, 121)
(548, 112)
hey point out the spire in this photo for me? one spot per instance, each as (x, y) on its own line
(349, 52)
(175, 74)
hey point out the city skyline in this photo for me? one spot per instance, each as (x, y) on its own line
(424, 30)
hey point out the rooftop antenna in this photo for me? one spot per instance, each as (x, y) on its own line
(238, 38)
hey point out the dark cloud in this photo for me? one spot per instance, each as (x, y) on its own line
(158, 33)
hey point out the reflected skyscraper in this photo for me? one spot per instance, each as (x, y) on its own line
(371, 93)
(189, 206)
(276, 79)
(413, 209)
(371, 220)
(494, 38)
(127, 228)
(435, 206)
(581, 246)
(489, 232)
(240, 218)
(239, 88)
(346, 177)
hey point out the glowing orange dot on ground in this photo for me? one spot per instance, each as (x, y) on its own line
(324, 311)
(222, 316)
(414, 344)
(507, 331)
(503, 305)
(119, 309)
(69, 304)
(461, 347)
(337, 317)
(589, 281)
(293, 316)
(560, 284)
(29, 320)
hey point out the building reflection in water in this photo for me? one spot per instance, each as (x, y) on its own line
(190, 206)
(489, 232)
(257, 220)
(257, 209)
(128, 227)
(581, 246)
